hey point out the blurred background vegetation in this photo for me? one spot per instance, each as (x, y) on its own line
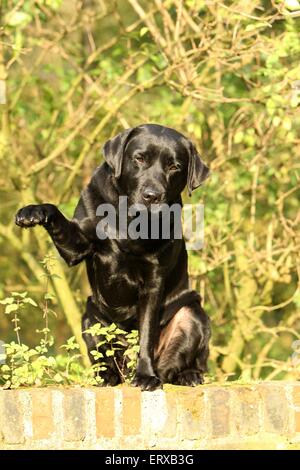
(226, 73)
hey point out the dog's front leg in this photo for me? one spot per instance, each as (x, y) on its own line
(149, 305)
(67, 235)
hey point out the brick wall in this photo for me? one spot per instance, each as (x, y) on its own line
(260, 416)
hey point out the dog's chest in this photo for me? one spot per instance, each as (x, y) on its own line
(116, 279)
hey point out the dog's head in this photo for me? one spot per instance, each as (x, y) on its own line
(152, 164)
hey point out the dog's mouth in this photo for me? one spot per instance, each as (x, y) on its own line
(141, 207)
(149, 206)
(157, 208)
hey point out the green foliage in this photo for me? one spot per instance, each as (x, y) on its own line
(224, 73)
(22, 366)
(15, 304)
(115, 339)
(25, 366)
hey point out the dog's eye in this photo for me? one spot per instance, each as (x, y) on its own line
(139, 159)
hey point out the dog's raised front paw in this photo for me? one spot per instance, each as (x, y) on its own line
(32, 215)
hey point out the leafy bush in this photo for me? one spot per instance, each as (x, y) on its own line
(21, 365)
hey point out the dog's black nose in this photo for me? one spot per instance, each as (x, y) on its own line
(151, 196)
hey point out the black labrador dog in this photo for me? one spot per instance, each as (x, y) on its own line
(140, 283)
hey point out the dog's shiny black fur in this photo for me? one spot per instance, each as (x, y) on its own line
(138, 283)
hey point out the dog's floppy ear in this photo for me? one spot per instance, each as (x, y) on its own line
(113, 151)
(197, 170)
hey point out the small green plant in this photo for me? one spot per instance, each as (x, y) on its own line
(13, 305)
(24, 366)
(111, 340)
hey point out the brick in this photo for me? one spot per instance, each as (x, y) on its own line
(74, 415)
(170, 426)
(157, 414)
(296, 406)
(160, 413)
(42, 414)
(131, 411)
(263, 444)
(192, 413)
(175, 417)
(105, 412)
(11, 417)
(275, 408)
(219, 412)
(245, 411)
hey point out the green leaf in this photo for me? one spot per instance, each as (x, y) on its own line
(238, 137)
(49, 296)
(11, 308)
(58, 378)
(143, 31)
(112, 327)
(19, 294)
(118, 331)
(110, 337)
(110, 353)
(30, 301)
(54, 4)
(254, 26)
(96, 354)
(17, 18)
(292, 5)
(8, 300)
